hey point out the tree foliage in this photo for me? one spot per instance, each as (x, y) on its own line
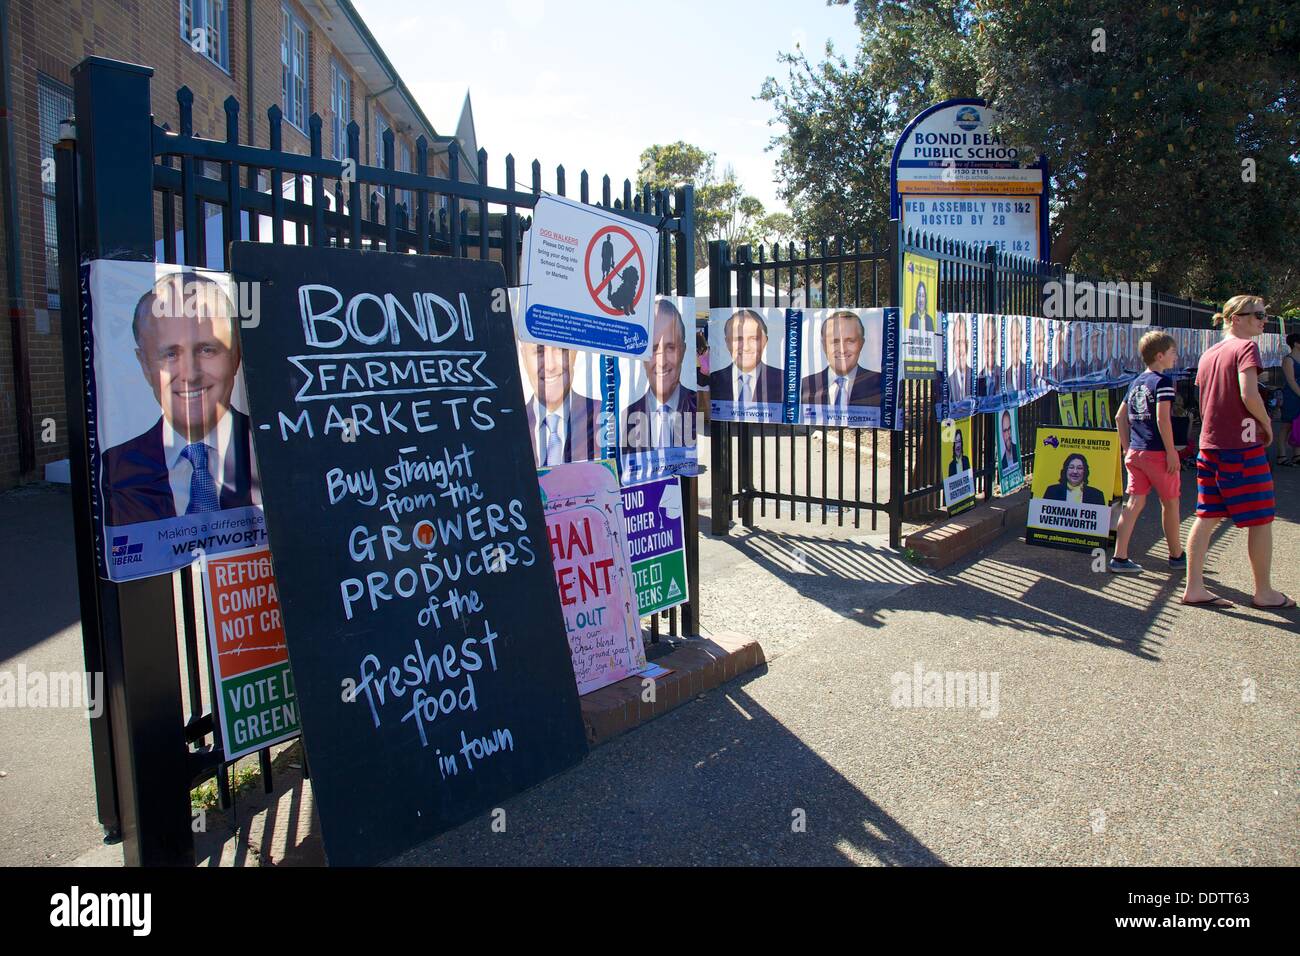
(723, 210)
(1146, 112)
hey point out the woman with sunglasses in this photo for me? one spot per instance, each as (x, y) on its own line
(1233, 479)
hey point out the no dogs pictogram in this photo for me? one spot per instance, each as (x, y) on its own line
(616, 286)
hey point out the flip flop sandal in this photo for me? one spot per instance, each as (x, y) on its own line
(1289, 602)
(1212, 602)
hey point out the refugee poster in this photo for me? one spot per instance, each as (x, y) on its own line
(1074, 475)
(410, 550)
(256, 700)
(582, 406)
(586, 528)
(167, 418)
(919, 332)
(588, 277)
(656, 543)
(958, 476)
(836, 367)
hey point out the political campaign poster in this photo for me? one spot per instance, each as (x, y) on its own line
(835, 367)
(256, 699)
(1039, 369)
(919, 332)
(747, 353)
(958, 476)
(586, 528)
(1101, 405)
(988, 362)
(167, 417)
(588, 279)
(1065, 402)
(420, 610)
(1074, 477)
(1006, 428)
(656, 543)
(1016, 332)
(1085, 405)
(582, 406)
(840, 380)
(658, 410)
(957, 385)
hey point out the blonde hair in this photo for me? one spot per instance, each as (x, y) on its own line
(1234, 305)
(1153, 343)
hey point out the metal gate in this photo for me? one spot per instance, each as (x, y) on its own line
(120, 179)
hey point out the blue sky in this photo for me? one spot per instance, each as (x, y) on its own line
(590, 84)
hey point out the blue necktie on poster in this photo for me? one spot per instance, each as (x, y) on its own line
(203, 490)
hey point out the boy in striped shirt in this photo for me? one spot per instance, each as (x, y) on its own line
(1146, 435)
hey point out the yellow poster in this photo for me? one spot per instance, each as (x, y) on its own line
(1086, 410)
(919, 307)
(1065, 401)
(1075, 473)
(1102, 403)
(955, 468)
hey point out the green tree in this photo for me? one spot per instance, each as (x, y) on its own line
(1147, 126)
(723, 210)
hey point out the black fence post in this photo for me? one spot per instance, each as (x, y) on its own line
(897, 437)
(684, 283)
(993, 299)
(745, 455)
(136, 621)
(719, 432)
(92, 638)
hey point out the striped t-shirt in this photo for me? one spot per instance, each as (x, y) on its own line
(1147, 390)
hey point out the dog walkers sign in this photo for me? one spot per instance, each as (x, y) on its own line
(588, 279)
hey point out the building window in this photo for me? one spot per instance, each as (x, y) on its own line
(294, 90)
(380, 127)
(341, 108)
(54, 104)
(205, 27)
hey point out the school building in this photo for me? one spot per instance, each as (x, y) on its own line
(316, 56)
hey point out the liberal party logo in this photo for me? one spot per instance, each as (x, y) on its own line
(124, 552)
(1051, 441)
(968, 118)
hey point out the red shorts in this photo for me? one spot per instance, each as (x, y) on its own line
(1147, 471)
(1235, 483)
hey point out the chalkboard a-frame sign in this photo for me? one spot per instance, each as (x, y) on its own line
(405, 522)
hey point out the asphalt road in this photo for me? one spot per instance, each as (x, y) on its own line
(1122, 728)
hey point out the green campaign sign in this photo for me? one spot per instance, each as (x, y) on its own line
(656, 543)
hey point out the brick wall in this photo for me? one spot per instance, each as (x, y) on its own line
(147, 32)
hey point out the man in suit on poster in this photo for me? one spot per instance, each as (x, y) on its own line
(664, 417)
(959, 370)
(1038, 370)
(989, 381)
(1015, 357)
(844, 383)
(197, 458)
(747, 380)
(562, 422)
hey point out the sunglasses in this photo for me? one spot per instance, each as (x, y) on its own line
(1260, 315)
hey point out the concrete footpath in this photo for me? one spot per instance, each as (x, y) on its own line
(1115, 726)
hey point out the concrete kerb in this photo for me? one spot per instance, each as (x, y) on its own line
(958, 537)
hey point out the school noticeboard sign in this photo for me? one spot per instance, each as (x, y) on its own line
(410, 552)
(586, 529)
(588, 279)
(250, 664)
(952, 176)
(656, 543)
(173, 470)
(1074, 477)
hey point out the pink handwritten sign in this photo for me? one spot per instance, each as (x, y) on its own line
(583, 506)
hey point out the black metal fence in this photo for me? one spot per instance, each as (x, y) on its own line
(827, 474)
(129, 189)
